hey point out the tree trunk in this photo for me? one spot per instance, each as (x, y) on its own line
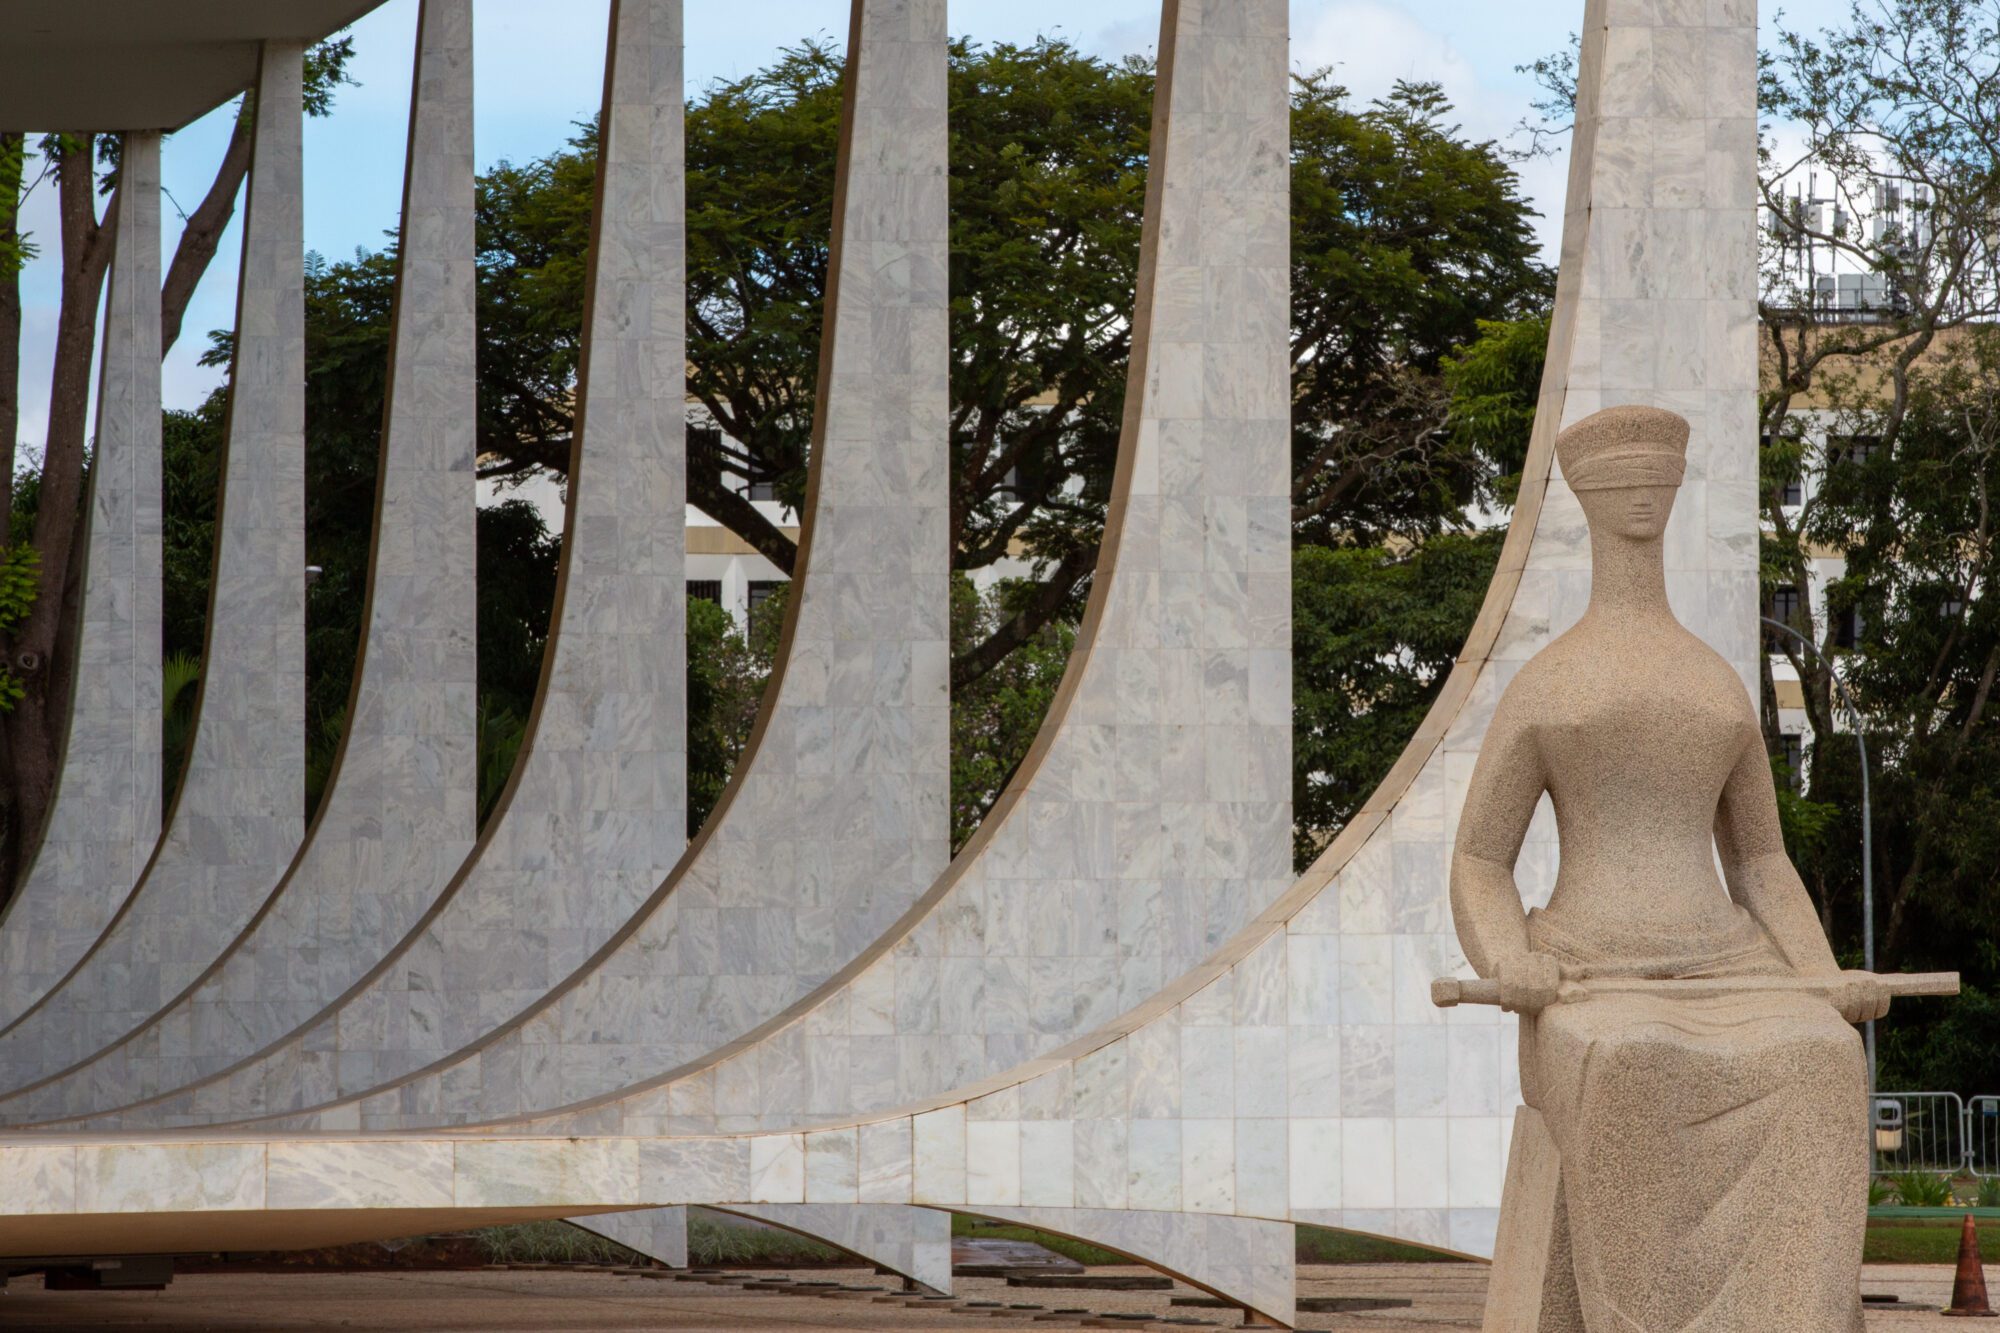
(11, 163)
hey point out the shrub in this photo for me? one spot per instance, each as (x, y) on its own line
(1922, 1189)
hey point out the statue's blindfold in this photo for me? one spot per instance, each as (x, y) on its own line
(1630, 467)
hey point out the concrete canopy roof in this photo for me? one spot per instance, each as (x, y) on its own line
(142, 64)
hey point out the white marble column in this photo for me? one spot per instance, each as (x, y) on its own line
(1153, 816)
(837, 818)
(105, 817)
(238, 816)
(399, 811)
(595, 813)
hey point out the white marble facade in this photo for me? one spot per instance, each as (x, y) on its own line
(399, 811)
(1115, 1014)
(105, 817)
(238, 816)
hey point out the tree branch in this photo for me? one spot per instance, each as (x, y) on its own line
(203, 232)
(1046, 604)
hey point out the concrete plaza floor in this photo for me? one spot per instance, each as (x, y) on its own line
(1442, 1296)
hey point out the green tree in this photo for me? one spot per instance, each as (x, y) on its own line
(1915, 526)
(1406, 235)
(1374, 633)
(1899, 94)
(994, 718)
(727, 673)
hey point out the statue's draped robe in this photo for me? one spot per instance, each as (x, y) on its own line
(1693, 1135)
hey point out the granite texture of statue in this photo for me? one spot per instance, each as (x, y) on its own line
(1713, 1172)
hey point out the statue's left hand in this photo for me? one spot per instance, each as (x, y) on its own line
(1861, 997)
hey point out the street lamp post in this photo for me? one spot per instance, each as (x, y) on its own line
(1867, 828)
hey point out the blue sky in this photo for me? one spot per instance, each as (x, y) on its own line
(537, 74)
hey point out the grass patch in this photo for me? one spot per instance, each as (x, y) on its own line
(1923, 1241)
(550, 1243)
(1089, 1255)
(1316, 1245)
(716, 1241)
(1321, 1245)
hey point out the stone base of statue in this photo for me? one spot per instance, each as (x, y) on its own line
(1727, 1202)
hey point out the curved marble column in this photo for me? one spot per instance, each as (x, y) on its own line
(400, 808)
(1181, 689)
(1151, 820)
(105, 817)
(595, 811)
(238, 816)
(837, 819)
(1156, 802)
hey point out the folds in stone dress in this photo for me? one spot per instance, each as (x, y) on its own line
(1681, 1126)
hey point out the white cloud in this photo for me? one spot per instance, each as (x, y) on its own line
(1372, 45)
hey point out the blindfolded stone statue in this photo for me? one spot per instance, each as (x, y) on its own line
(1710, 1137)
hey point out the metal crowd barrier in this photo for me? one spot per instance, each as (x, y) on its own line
(1933, 1132)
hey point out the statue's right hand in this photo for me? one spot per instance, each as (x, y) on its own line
(1529, 983)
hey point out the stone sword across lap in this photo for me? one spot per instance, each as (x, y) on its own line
(1450, 992)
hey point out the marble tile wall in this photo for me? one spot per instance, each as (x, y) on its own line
(238, 817)
(399, 813)
(105, 817)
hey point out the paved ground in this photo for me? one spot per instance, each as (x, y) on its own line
(1443, 1296)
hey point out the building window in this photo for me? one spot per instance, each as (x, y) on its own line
(760, 593)
(1859, 450)
(1783, 608)
(704, 445)
(1847, 629)
(1792, 754)
(705, 590)
(1795, 492)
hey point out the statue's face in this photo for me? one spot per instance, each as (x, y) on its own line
(1637, 513)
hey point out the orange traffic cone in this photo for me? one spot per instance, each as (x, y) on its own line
(1968, 1287)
